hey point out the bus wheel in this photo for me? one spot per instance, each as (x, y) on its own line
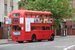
(20, 41)
(33, 38)
(52, 38)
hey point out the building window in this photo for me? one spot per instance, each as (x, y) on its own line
(5, 7)
(74, 25)
(70, 22)
(11, 0)
(70, 4)
(11, 8)
(0, 24)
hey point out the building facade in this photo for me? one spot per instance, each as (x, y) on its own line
(68, 26)
(6, 7)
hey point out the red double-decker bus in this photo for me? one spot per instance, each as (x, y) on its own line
(31, 25)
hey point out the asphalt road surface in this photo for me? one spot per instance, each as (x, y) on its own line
(60, 43)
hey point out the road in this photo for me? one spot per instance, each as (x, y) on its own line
(60, 43)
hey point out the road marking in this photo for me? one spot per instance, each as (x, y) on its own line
(5, 45)
(60, 46)
(69, 47)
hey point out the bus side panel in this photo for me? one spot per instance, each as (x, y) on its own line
(22, 32)
(52, 32)
(28, 36)
(47, 34)
(38, 34)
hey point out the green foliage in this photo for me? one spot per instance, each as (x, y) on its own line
(21, 3)
(59, 8)
(73, 9)
(73, 19)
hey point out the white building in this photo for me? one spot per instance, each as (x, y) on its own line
(6, 6)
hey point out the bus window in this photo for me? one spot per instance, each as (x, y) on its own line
(33, 28)
(47, 28)
(41, 20)
(47, 16)
(50, 16)
(42, 28)
(16, 15)
(27, 15)
(49, 20)
(42, 16)
(33, 15)
(37, 15)
(16, 28)
(38, 28)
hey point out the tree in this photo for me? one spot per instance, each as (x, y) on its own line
(21, 3)
(59, 8)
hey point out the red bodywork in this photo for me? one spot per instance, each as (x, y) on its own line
(27, 36)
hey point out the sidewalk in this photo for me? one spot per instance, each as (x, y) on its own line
(4, 41)
(60, 36)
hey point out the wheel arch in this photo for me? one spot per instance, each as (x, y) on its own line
(52, 34)
(33, 35)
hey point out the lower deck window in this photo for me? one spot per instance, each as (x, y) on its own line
(47, 28)
(42, 28)
(32, 28)
(16, 28)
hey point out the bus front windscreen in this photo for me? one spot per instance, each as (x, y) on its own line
(16, 15)
(16, 28)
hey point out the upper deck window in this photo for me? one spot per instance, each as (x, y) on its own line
(32, 15)
(37, 15)
(47, 16)
(50, 16)
(28, 15)
(42, 16)
(16, 15)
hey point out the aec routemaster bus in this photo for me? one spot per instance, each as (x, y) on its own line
(31, 25)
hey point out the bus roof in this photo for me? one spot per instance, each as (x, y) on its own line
(29, 11)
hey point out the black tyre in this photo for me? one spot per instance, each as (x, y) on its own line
(33, 38)
(20, 41)
(52, 38)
